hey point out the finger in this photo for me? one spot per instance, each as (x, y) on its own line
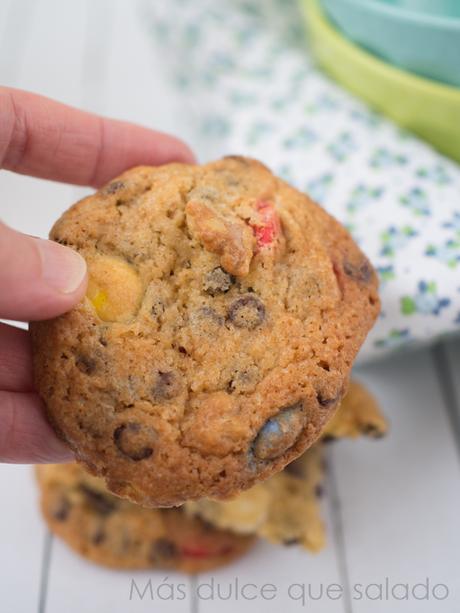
(39, 279)
(25, 435)
(44, 138)
(15, 359)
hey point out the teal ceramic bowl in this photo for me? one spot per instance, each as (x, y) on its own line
(421, 36)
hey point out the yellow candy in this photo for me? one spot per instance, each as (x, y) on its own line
(99, 300)
(114, 288)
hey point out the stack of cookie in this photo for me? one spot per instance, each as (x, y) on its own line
(223, 314)
(203, 534)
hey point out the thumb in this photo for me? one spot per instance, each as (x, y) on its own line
(39, 279)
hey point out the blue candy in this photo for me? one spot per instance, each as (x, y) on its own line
(279, 433)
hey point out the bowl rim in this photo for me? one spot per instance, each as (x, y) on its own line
(405, 78)
(406, 15)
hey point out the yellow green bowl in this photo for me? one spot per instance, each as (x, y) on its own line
(425, 107)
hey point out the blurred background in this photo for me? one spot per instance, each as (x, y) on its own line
(210, 73)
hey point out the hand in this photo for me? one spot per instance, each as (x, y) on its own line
(40, 279)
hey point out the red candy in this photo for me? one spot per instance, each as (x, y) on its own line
(268, 230)
(196, 551)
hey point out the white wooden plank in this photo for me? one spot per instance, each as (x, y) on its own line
(22, 536)
(76, 585)
(452, 352)
(32, 205)
(16, 17)
(4, 11)
(446, 362)
(137, 89)
(98, 42)
(400, 496)
(294, 572)
(53, 52)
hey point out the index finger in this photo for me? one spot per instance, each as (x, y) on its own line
(47, 139)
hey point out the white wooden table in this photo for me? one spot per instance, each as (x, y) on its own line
(392, 507)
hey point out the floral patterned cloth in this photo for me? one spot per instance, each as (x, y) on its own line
(246, 84)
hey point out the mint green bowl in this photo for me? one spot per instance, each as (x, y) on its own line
(425, 107)
(422, 36)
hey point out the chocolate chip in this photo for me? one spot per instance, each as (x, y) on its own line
(166, 385)
(319, 491)
(130, 440)
(324, 401)
(372, 431)
(361, 272)
(113, 187)
(85, 364)
(163, 550)
(291, 541)
(217, 281)
(206, 525)
(205, 192)
(247, 312)
(157, 308)
(244, 380)
(98, 537)
(279, 433)
(62, 510)
(328, 438)
(296, 469)
(97, 501)
(207, 315)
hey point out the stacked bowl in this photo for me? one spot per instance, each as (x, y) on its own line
(400, 56)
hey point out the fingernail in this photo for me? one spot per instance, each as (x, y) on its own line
(63, 269)
(59, 453)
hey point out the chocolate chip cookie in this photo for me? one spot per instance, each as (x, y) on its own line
(285, 508)
(117, 533)
(223, 313)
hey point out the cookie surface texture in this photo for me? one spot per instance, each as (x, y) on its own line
(223, 314)
(119, 534)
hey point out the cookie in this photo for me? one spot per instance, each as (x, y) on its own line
(358, 415)
(285, 509)
(117, 533)
(224, 311)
